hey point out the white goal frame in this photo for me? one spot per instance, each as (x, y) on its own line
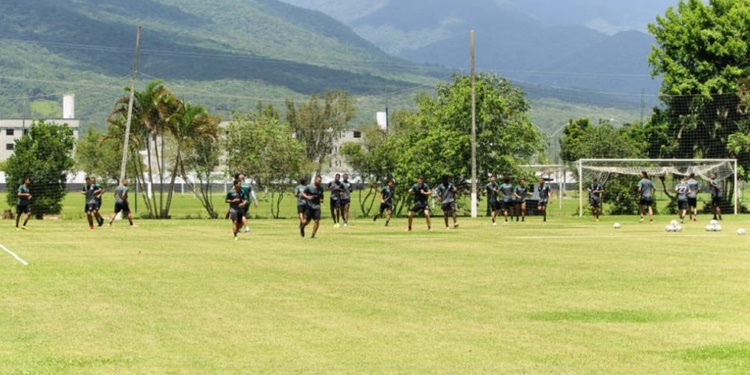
(732, 162)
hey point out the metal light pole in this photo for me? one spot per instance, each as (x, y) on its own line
(473, 131)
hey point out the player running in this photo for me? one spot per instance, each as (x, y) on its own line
(237, 201)
(91, 191)
(646, 190)
(446, 194)
(121, 203)
(335, 188)
(519, 194)
(492, 190)
(595, 198)
(716, 194)
(386, 202)
(543, 197)
(421, 192)
(301, 201)
(98, 196)
(692, 196)
(682, 190)
(506, 192)
(249, 193)
(314, 195)
(346, 198)
(24, 202)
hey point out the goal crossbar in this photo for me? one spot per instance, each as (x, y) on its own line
(636, 166)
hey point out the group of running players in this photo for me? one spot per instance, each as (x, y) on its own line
(93, 193)
(686, 191)
(501, 196)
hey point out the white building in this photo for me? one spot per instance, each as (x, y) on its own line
(13, 129)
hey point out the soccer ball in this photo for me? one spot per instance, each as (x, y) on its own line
(616, 226)
(741, 231)
(713, 223)
(709, 227)
(669, 228)
(678, 228)
(717, 228)
(673, 223)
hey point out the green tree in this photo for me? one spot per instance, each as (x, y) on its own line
(701, 52)
(318, 122)
(44, 154)
(97, 155)
(202, 160)
(263, 147)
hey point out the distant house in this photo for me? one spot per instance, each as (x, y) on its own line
(337, 162)
(13, 129)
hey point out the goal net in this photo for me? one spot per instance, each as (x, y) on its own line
(603, 169)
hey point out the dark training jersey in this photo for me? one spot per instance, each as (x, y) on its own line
(418, 196)
(682, 190)
(543, 193)
(387, 194)
(491, 192)
(446, 193)
(232, 195)
(693, 188)
(316, 192)
(301, 201)
(24, 200)
(507, 192)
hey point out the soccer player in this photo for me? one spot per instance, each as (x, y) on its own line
(421, 192)
(346, 198)
(506, 191)
(24, 202)
(595, 198)
(90, 192)
(492, 190)
(301, 201)
(386, 202)
(98, 196)
(543, 197)
(646, 190)
(446, 194)
(314, 195)
(121, 203)
(249, 193)
(519, 195)
(716, 193)
(335, 188)
(692, 196)
(682, 190)
(237, 200)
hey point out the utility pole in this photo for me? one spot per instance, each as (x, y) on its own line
(473, 131)
(130, 106)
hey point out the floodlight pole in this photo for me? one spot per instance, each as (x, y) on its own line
(473, 131)
(130, 106)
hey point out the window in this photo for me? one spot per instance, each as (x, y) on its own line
(25, 131)
(10, 146)
(9, 132)
(357, 134)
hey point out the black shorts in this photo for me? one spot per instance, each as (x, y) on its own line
(235, 215)
(716, 201)
(692, 202)
(243, 211)
(520, 202)
(124, 207)
(683, 205)
(301, 208)
(419, 207)
(384, 207)
(448, 208)
(494, 206)
(345, 202)
(507, 205)
(312, 213)
(542, 203)
(335, 204)
(646, 201)
(23, 209)
(595, 203)
(92, 207)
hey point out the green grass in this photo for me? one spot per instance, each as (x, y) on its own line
(569, 296)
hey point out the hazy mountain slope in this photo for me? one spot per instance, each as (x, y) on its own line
(272, 48)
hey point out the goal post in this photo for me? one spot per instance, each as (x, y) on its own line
(602, 168)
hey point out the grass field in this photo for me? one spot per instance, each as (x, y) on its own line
(569, 296)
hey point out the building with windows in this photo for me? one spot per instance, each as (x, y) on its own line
(13, 129)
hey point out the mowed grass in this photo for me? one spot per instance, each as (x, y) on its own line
(569, 296)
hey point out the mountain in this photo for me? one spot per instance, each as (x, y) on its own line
(225, 56)
(554, 43)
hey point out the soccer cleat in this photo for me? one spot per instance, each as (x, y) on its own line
(375, 218)
(455, 225)
(247, 230)
(336, 225)
(641, 220)
(313, 236)
(386, 223)
(408, 229)
(344, 224)
(235, 238)
(494, 223)
(24, 228)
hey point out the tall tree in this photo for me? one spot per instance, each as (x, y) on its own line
(701, 52)
(97, 155)
(319, 122)
(44, 155)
